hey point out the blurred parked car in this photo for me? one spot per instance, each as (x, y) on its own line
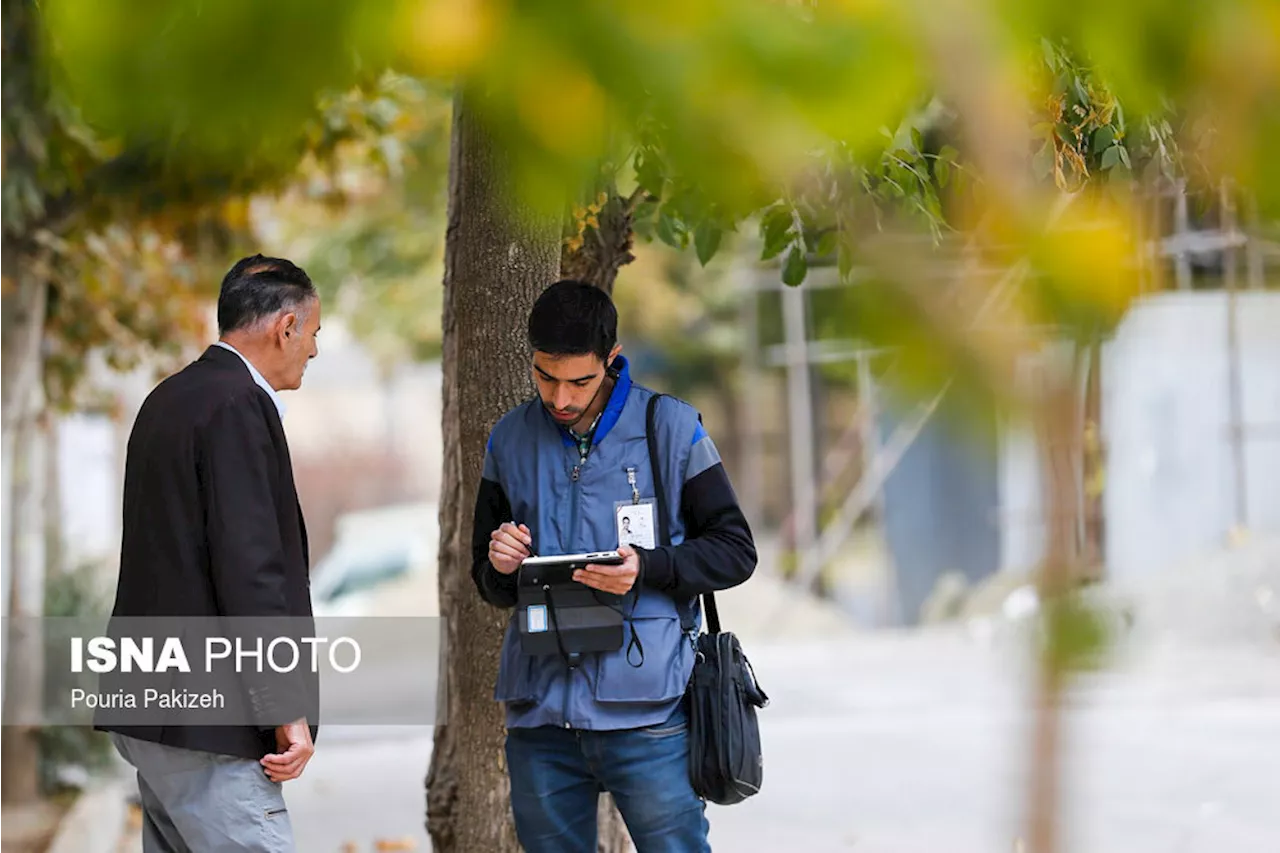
(375, 551)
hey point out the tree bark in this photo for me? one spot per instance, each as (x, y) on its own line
(1057, 420)
(54, 548)
(22, 326)
(20, 771)
(21, 510)
(495, 266)
(605, 248)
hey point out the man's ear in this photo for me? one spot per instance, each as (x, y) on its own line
(286, 326)
(609, 369)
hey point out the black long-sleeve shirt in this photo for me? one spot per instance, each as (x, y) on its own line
(718, 551)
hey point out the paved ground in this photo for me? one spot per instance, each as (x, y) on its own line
(916, 742)
(363, 788)
(919, 744)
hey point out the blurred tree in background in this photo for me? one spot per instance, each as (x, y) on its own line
(973, 166)
(367, 222)
(113, 249)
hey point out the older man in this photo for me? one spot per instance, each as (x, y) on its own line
(212, 528)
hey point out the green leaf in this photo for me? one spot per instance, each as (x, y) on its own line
(1080, 91)
(1103, 138)
(1124, 156)
(844, 260)
(1042, 163)
(1050, 59)
(1111, 157)
(706, 239)
(932, 204)
(942, 171)
(649, 172)
(796, 267)
(775, 227)
(1076, 636)
(643, 228)
(644, 212)
(827, 244)
(949, 153)
(669, 230)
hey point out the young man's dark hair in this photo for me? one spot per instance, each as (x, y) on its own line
(573, 318)
(258, 287)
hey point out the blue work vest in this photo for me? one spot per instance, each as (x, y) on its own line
(569, 507)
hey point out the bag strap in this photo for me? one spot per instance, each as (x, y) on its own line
(664, 535)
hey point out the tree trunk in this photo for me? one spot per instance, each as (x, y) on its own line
(1094, 469)
(1057, 420)
(21, 509)
(494, 269)
(22, 326)
(20, 771)
(54, 548)
(599, 251)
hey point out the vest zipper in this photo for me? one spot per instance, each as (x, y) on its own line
(574, 476)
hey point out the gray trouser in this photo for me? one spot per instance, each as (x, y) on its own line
(199, 802)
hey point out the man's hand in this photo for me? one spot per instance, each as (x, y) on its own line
(615, 579)
(294, 742)
(509, 545)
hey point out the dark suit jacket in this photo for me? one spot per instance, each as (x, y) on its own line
(212, 527)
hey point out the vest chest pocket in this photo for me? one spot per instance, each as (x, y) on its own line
(664, 674)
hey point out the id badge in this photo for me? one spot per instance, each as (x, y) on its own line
(635, 524)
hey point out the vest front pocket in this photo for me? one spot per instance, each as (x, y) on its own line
(517, 679)
(662, 674)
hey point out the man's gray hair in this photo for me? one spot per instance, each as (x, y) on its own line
(259, 288)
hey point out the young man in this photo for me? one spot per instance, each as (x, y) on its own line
(560, 474)
(212, 527)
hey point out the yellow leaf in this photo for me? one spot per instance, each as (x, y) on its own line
(446, 37)
(561, 94)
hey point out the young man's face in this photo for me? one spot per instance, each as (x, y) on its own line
(569, 384)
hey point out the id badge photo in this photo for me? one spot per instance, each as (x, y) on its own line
(635, 523)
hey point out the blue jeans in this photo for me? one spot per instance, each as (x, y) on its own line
(558, 774)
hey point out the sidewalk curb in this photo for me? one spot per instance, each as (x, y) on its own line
(94, 824)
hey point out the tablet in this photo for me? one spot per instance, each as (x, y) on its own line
(560, 568)
(600, 558)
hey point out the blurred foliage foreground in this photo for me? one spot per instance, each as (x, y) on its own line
(976, 167)
(847, 132)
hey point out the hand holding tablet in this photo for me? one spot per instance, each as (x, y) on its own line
(613, 572)
(615, 578)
